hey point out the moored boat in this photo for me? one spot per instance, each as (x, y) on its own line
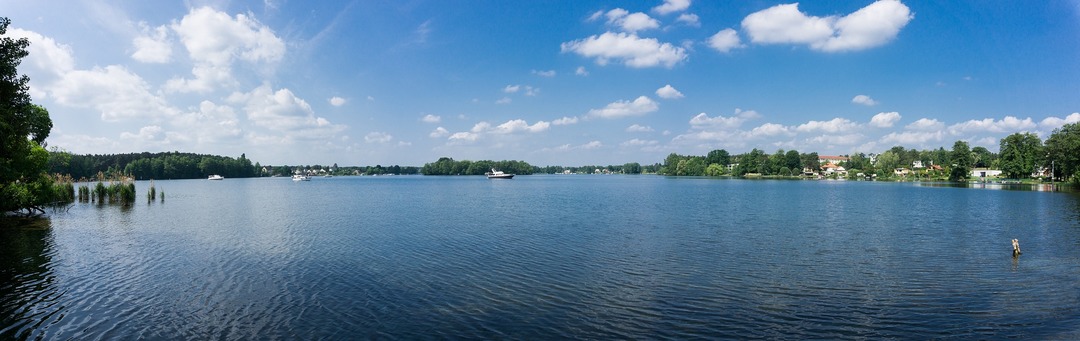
(215, 177)
(300, 177)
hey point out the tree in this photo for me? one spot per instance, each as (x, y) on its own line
(962, 160)
(24, 185)
(1021, 154)
(1063, 149)
(719, 156)
(983, 157)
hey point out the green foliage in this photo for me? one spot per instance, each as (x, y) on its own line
(145, 166)
(447, 166)
(962, 162)
(1021, 155)
(1063, 150)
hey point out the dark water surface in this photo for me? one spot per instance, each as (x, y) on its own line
(548, 257)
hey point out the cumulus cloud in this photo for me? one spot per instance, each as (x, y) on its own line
(214, 40)
(639, 143)
(671, 6)
(429, 118)
(504, 100)
(464, 137)
(439, 132)
(864, 100)
(152, 45)
(337, 101)
(689, 19)
(912, 137)
(884, 119)
(870, 26)
(703, 121)
(636, 128)
(1007, 124)
(1051, 123)
(630, 22)
(283, 111)
(926, 124)
(378, 137)
(619, 109)
(836, 125)
(768, 129)
(668, 92)
(581, 71)
(516, 126)
(725, 40)
(565, 121)
(631, 50)
(511, 89)
(113, 91)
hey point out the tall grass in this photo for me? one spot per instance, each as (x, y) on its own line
(120, 190)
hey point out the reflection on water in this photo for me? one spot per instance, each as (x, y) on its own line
(27, 286)
(549, 257)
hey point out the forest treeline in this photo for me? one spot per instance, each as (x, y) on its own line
(145, 166)
(448, 166)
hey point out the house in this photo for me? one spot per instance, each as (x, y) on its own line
(901, 171)
(836, 160)
(917, 164)
(985, 172)
(830, 169)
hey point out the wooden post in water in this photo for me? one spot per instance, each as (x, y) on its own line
(1016, 247)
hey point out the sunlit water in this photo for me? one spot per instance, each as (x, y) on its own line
(548, 257)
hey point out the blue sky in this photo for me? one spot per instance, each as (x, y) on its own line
(547, 82)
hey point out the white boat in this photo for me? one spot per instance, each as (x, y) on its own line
(494, 174)
(301, 177)
(215, 177)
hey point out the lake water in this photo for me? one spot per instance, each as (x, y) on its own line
(548, 257)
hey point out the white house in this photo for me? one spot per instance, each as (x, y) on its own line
(985, 172)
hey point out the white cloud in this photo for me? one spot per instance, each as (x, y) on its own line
(548, 73)
(668, 92)
(1007, 124)
(337, 101)
(630, 22)
(464, 137)
(836, 125)
(592, 145)
(870, 26)
(639, 143)
(282, 111)
(581, 71)
(725, 40)
(113, 91)
(912, 137)
(703, 121)
(565, 121)
(378, 137)
(214, 40)
(504, 100)
(632, 50)
(152, 45)
(885, 119)
(147, 133)
(864, 100)
(926, 124)
(439, 132)
(515, 126)
(689, 19)
(511, 89)
(1051, 123)
(768, 129)
(671, 6)
(836, 139)
(429, 118)
(619, 109)
(636, 128)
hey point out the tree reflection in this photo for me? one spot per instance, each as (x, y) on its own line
(26, 282)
